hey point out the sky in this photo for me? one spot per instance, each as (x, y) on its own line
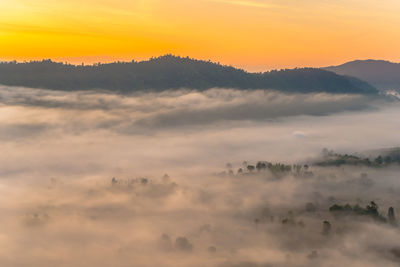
(252, 34)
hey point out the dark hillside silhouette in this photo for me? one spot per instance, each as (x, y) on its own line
(379, 73)
(171, 72)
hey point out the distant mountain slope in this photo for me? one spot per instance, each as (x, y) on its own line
(379, 73)
(170, 72)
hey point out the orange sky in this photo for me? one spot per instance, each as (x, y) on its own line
(253, 34)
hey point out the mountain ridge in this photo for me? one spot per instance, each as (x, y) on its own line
(382, 74)
(172, 72)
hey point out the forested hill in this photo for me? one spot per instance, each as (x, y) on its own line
(171, 72)
(382, 74)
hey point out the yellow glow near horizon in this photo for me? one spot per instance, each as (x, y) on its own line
(253, 34)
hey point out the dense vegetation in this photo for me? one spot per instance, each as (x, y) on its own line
(370, 210)
(331, 158)
(387, 157)
(171, 72)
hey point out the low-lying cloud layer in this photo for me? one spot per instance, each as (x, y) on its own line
(79, 132)
(248, 220)
(152, 111)
(61, 207)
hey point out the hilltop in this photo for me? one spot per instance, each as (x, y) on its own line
(382, 74)
(172, 72)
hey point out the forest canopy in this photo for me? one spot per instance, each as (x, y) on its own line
(172, 72)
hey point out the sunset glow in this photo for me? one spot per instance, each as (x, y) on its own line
(256, 34)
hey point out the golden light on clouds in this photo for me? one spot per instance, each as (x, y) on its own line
(255, 34)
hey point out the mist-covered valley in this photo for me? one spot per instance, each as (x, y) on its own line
(91, 178)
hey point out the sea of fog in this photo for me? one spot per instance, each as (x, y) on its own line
(168, 204)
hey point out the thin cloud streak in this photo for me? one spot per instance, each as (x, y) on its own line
(256, 4)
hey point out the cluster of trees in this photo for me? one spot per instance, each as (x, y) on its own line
(275, 168)
(386, 160)
(330, 158)
(115, 181)
(181, 243)
(334, 159)
(171, 72)
(370, 210)
(262, 166)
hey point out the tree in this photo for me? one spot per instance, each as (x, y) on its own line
(379, 160)
(326, 227)
(391, 217)
(372, 209)
(183, 244)
(261, 166)
(387, 159)
(250, 168)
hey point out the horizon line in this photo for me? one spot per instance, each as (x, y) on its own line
(127, 61)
